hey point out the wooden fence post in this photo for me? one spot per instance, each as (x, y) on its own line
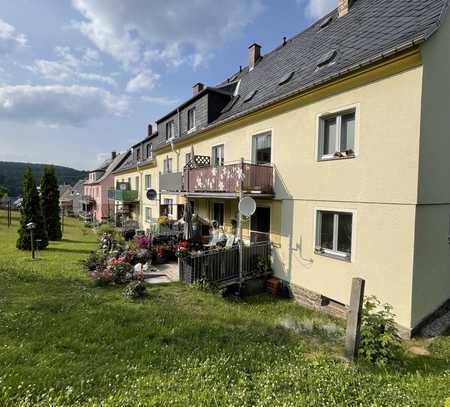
(354, 318)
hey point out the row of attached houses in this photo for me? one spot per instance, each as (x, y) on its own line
(341, 135)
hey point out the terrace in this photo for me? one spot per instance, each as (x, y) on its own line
(199, 177)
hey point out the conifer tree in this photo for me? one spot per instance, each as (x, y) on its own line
(31, 212)
(50, 204)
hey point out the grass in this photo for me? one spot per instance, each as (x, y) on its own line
(64, 342)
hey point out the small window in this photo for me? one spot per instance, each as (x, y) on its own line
(148, 214)
(149, 151)
(334, 234)
(286, 78)
(218, 155)
(262, 148)
(148, 181)
(167, 165)
(326, 22)
(326, 59)
(337, 136)
(250, 96)
(187, 158)
(169, 203)
(170, 130)
(191, 119)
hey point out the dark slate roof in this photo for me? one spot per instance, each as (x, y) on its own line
(130, 163)
(113, 164)
(372, 30)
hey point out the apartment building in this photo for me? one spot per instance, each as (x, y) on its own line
(132, 180)
(341, 136)
(94, 201)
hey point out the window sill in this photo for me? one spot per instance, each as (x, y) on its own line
(333, 158)
(334, 256)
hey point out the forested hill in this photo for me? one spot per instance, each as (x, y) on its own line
(11, 175)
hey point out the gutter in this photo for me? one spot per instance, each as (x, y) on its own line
(378, 57)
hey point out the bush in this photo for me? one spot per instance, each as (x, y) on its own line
(94, 261)
(121, 272)
(134, 290)
(102, 278)
(106, 228)
(380, 343)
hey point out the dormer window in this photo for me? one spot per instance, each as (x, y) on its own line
(191, 119)
(170, 130)
(138, 154)
(149, 150)
(326, 59)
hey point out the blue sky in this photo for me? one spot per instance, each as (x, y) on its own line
(81, 78)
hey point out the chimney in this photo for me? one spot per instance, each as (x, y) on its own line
(197, 88)
(113, 155)
(254, 55)
(344, 7)
(149, 130)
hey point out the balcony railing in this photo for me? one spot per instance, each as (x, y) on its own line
(228, 178)
(127, 196)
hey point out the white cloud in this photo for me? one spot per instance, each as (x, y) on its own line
(317, 8)
(10, 39)
(58, 105)
(144, 80)
(160, 100)
(172, 31)
(69, 67)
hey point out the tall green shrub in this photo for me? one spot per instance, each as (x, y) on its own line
(31, 212)
(50, 204)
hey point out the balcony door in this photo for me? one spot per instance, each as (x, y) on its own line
(262, 148)
(260, 225)
(218, 212)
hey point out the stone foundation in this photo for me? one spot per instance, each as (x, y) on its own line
(318, 302)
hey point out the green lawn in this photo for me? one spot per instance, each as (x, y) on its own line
(64, 342)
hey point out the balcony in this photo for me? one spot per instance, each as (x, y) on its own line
(125, 196)
(229, 178)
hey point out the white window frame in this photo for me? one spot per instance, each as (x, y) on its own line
(170, 209)
(170, 125)
(337, 113)
(149, 148)
(165, 165)
(191, 126)
(213, 149)
(334, 253)
(148, 211)
(149, 184)
(262, 133)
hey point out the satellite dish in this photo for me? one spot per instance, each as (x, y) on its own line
(151, 194)
(247, 206)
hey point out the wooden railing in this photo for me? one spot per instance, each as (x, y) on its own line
(220, 266)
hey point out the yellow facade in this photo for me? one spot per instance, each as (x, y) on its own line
(382, 187)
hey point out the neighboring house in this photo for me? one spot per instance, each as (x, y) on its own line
(341, 135)
(95, 192)
(70, 200)
(132, 180)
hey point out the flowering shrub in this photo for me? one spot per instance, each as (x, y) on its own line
(182, 252)
(134, 290)
(143, 242)
(94, 261)
(121, 272)
(102, 278)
